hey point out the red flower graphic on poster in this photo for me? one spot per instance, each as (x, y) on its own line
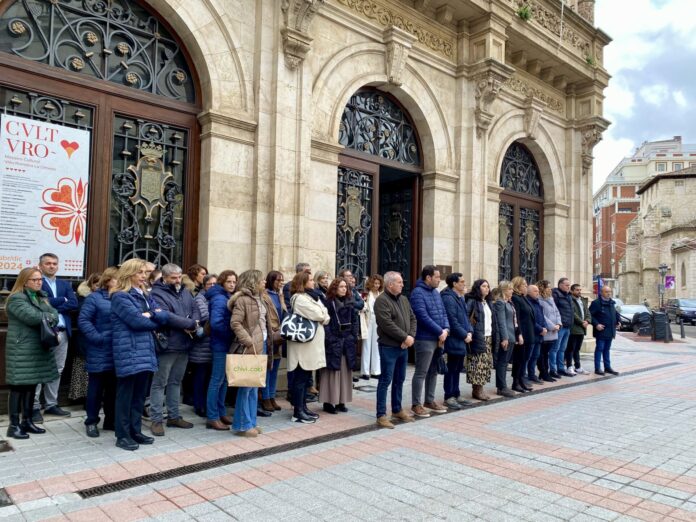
(66, 210)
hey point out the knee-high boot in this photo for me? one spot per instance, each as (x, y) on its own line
(14, 430)
(27, 410)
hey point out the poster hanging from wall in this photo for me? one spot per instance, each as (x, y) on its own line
(44, 175)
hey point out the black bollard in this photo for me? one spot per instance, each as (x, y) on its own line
(682, 333)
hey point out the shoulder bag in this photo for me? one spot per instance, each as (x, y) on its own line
(49, 335)
(297, 329)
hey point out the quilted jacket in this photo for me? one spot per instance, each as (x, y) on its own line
(219, 316)
(430, 312)
(95, 325)
(132, 339)
(200, 350)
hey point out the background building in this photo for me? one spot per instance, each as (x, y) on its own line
(380, 135)
(616, 203)
(663, 233)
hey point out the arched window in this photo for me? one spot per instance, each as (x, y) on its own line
(112, 68)
(520, 216)
(378, 188)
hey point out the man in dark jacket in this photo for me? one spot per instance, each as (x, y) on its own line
(460, 336)
(539, 331)
(61, 297)
(605, 321)
(433, 329)
(396, 331)
(581, 318)
(564, 303)
(182, 325)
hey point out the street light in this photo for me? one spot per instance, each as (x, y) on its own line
(662, 270)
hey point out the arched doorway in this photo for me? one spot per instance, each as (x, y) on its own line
(521, 216)
(114, 70)
(378, 213)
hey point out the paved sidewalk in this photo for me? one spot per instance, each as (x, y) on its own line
(611, 448)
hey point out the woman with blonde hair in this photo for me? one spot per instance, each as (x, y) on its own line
(133, 321)
(95, 324)
(303, 358)
(249, 323)
(322, 279)
(526, 322)
(553, 320)
(27, 362)
(505, 334)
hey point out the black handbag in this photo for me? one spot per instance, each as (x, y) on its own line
(440, 360)
(161, 341)
(49, 335)
(297, 329)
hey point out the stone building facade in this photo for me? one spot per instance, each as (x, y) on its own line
(370, 134)
(664, 232)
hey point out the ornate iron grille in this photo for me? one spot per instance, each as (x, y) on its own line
(46, 108)
(506, 214)
(113, 40)
(396, 233)
(529, 244)
(148, 179)
(519, 172)
(354, 223)
(374, 124)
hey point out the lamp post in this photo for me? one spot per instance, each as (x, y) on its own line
(662, 270)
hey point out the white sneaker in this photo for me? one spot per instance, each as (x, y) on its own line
(571, 370)
(581, 371)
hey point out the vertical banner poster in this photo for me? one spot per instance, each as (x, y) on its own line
(44, 174)
(670, 283)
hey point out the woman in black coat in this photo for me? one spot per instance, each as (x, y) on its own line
(479, 360)
(525, 319)
(341, 334)
(506, 333)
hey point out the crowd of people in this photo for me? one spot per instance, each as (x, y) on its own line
(147, 332)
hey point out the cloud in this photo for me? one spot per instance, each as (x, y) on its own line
(619, 100)
(679, 98)
(608, 153)
(655, 94)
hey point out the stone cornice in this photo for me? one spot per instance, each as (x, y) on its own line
(386, 13)
(214, 124)
(446, 181)
(555, 208)
(325, 151)
(527, 89)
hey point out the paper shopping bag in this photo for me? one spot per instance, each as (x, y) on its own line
(246, 371)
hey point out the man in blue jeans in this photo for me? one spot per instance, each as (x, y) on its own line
(396, 332)
(564, 303)
(605, 321)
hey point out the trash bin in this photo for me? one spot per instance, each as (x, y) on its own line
(644, 325)
(661, 327)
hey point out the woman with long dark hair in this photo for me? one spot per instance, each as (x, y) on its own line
(479, 360)
(275, 305)
(336, 380)
(27, 362)
(303, 358)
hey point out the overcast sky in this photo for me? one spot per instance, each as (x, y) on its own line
(652, 92)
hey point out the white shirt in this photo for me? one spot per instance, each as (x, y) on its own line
(582, 308)
(54, 288)
(487, 319)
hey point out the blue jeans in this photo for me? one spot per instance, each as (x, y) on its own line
(602, 351)
(245, 409)
(455, 363)
(393, 361)
(533, 356)
(167, 379)
(563, 336)
(553, 351)
(217, 389)
(269, 392)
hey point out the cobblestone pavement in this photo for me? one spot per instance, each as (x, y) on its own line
(586, 448)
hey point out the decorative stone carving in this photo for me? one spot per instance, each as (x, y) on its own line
(444, 14)
(528, 90)
(532, 115)
(591, 135)
(386, 15)
(398, 43)
(298, 15)
(488, 80)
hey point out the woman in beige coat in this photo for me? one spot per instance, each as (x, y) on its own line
(303, 358)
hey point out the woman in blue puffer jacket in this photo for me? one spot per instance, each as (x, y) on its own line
(200, 357)
(133, 321)
(95, 325)
(220, 340)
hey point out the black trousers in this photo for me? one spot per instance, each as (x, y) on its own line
(201, 378)
(101, 389)
(543, 361)
(300, 383)
(572, 353)
(501, 359)
(130, 400)
(519, 362)
(21, 401)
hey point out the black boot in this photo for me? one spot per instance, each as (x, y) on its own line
(27, 410)
(15, 430)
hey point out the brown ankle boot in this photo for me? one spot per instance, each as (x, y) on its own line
(267, 405)
(275, 405)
